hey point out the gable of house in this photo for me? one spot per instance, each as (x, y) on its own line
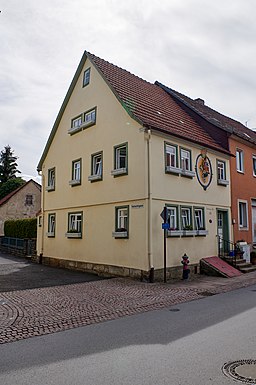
(24, 202)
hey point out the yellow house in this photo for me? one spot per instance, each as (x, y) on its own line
(121, 150)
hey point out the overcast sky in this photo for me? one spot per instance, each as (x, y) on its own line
(201, 48)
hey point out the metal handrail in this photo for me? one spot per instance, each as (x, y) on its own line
(226, 246)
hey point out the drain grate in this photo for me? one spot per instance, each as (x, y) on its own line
(242, 370)
(174, 310)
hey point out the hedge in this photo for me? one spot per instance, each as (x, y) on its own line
(21, 228)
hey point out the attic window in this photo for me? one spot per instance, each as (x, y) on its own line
(86, 78)
(29, 200)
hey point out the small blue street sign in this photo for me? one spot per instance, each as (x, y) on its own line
(165, 226)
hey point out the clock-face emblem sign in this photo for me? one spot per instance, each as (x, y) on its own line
(203, 169)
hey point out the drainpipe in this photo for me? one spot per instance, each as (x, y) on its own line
(42, 208)
(150, 255)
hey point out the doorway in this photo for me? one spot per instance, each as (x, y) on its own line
(254, 221)
(222, 231)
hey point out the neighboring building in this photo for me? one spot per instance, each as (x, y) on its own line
(121, 150)
(24, 202)
(242, 145)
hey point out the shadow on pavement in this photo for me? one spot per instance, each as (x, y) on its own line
(17, 273)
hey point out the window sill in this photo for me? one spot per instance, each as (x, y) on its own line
(119, 171)
(50, 235)
(201, 233)
(188, 173)
(172, 170)
(73, 235)
(94, 178)
(120, 234)
(223, 182)
(174, 233)
(50, 188)
(74, 182)
(188, 233)
(74, 130)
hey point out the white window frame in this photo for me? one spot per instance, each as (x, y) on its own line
(121, 222)
(76, 172)
(254, 165)
(51, 179)
(185, 159)
(186, 217)
(76, 122)
(239, 160)
(120, 160)
(172, 217)
(75, 221)
(86, 77)
(243, 219)
(51, 225)
(199, 218)
(89, 117)
(97, 164)
(171, 153)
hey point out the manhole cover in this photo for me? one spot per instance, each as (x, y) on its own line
(174, 309)
(243, 371)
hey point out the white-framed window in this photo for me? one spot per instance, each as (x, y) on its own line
(239, 160)
(254, 165)
(120, 160)
(75, 222)
(90, 117)
(185, 159)
(172, 217)
(186, 220)
(199, 218)
(76, 170)
(51, 225)
(97, 164)
(76, 122)
(51, 179)
(221, 170)
(121, 222)
(171, 155)
(86, 78)
(243, 214)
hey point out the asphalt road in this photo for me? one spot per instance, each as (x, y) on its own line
(182, 345)
(17, 273)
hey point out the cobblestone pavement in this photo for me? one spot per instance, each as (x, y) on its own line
(34, 312)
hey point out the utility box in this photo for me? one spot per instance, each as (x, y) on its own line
(246, 249)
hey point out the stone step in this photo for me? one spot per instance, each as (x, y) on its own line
(248, 269)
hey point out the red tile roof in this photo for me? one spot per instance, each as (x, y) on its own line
(151, 105)
(228, 124)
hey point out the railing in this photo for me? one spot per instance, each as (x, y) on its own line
(227, 250)
(15, 243)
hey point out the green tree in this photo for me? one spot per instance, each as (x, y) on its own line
(8, 165)
(11, 185)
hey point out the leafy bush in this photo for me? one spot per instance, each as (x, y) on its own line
(21, 228)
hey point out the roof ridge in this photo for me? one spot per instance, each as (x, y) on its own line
(91, 56)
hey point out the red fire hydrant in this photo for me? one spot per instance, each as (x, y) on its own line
(186, 270)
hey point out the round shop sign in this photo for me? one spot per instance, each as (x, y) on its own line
(203, 169)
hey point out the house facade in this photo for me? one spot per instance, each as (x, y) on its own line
(120, 151)
(241, 142)
(24, 202)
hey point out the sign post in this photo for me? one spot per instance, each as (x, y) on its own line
(165, 227)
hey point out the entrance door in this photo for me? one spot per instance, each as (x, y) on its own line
(222, 231)
(254, 221)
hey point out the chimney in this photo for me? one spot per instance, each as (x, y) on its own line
(200, 101)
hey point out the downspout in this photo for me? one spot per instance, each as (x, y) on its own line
(42, 208)
(150, 232)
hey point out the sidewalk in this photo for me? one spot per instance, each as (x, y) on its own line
(35, 312)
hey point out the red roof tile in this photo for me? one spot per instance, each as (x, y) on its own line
(151, 105)
(228, 124)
